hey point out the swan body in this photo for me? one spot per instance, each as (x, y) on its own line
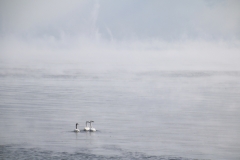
(76, 130)
(91, 128)
(87, 128)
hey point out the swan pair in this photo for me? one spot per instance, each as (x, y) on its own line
(86, 128)
(91, 128)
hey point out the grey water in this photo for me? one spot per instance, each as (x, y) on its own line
(177, 115)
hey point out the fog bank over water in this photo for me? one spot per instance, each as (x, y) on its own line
(128, 35)
(154, 55)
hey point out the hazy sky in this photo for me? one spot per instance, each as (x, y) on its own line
(126, 34)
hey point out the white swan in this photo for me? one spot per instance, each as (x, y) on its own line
(76, 130)
(91, 128)
(87, 128)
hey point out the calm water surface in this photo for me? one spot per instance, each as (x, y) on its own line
(163, 115)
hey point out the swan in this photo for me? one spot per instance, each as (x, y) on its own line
(87, 128)
(76, 130)
(91, 128)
